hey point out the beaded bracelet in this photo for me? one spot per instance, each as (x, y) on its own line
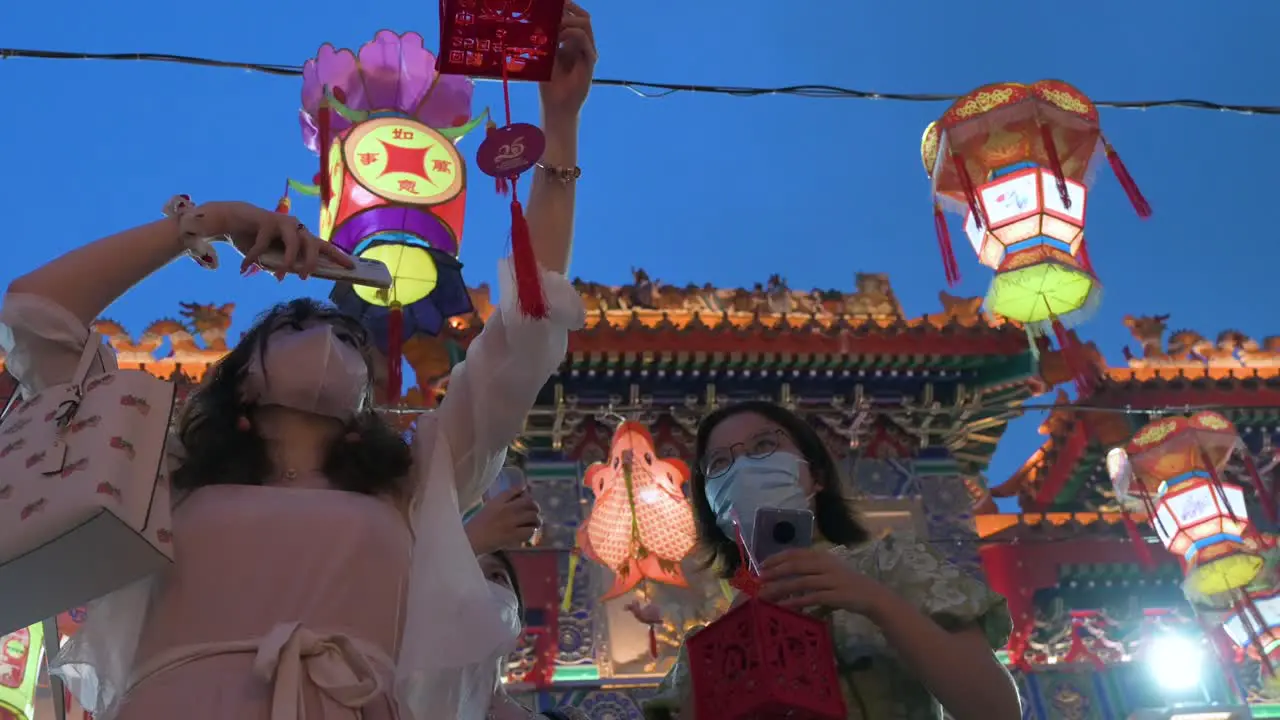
(196, 242)
(565, 175)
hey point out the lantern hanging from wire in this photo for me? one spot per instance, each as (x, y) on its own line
(392, 185)
(1015, 162)
(1177, 465)
(641, 525)
(508, 40)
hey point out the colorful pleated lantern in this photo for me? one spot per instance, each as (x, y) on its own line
(1255, 628)
(392, 184)
(20, 654)
(1201, 520)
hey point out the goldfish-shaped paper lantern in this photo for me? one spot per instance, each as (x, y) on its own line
(641, 525)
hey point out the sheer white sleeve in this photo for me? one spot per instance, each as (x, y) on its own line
(458, 626)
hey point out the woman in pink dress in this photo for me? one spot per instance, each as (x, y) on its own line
(321, 566)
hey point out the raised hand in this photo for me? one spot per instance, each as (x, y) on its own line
(566, 91)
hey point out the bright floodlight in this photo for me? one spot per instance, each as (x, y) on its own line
(1175, 661)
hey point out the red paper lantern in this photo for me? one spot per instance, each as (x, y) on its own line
(763, 662)
(509, 39)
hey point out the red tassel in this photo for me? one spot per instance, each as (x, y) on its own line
(950, 268)
(1085, 261)
(533, 303)
(1140, 204)
(1055, 163)
(1139, 543)
(653, 642)
(395, 348)
(1073, 358)
(1265, 498)
(1217, 483)
(322, 137)
(970, 195)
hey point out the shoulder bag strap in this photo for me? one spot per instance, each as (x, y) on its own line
(52, 645)
(86, 358)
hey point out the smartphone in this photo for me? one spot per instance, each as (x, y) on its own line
(509, 478)
(366, 271)
(777, 529)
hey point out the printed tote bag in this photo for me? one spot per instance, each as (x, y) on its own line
(84, 491)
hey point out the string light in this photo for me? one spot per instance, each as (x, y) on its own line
(645, 88)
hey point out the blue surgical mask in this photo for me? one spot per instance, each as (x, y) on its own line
(754, 483)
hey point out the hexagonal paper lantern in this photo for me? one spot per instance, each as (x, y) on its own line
(1202, 520)
(1023, 211)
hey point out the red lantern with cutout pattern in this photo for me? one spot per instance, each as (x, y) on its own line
(760, 662)
(508, 39)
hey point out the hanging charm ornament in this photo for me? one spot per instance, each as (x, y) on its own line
(511, 40)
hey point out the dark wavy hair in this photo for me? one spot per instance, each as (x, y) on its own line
(218, 452)
(833, 515)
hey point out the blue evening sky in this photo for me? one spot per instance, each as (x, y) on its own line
(695, 188)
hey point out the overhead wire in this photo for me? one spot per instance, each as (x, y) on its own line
(648, 89)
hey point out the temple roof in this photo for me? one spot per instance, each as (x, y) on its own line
(659, 320)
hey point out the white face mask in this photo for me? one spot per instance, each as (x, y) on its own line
(309, 370)
(754, 483)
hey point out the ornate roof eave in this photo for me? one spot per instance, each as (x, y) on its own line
(998, 527)
(924, 339)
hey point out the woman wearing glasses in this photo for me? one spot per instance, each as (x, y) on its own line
(912, 633)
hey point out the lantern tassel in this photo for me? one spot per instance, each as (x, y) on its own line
(1265, 498)
(1055, 163)
(970, 195)
(950, 268)
(322, 137)
(533, 303)
(653, 641)
(1217, 483)
(567, 602)
(395, 348)
(1140, 204)
(1072, 357)
(1085, 261)
(1139, 543)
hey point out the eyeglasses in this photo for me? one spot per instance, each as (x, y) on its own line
(718, 461)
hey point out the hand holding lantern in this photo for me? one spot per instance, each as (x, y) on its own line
(566, 91)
